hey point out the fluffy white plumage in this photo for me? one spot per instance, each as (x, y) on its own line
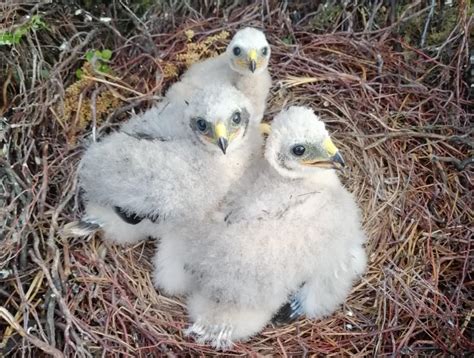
(169, 178)
(163, 120)
(244, 65)
(289, 229)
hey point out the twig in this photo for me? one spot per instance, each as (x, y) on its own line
(7, 316)
(459, 164)
(427, 23)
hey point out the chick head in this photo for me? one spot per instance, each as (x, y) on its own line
(299, 144)
(219, 117)
(248, 51)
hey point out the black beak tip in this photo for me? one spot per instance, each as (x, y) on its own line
(337, 158)
(222, 143)
(253, 66)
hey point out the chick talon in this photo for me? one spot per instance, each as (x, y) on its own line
(220, 336)
(289, 312)
(84, 227)
(217, 335)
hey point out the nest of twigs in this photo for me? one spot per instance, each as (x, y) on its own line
(392, 83)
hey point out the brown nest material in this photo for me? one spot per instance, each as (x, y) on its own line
(400, 113)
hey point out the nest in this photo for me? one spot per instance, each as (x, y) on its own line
(393, 92)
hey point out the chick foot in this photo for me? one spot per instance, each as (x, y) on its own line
(217, 336)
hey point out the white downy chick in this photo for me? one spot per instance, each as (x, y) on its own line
(244, 65)
(290, 229)
(132, 182)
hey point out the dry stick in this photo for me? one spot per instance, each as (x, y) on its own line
(54, 248)
(7, 316)
(44, 184)
(229, 9)
(94, 113)
(5, 98)
(51, 305)
(375, 8)
(412, 134)
(139, 94)
(402, 19)
(427, 23)
(80, 350)
(22, 309)
(74, 54)
(64, 308)
(142, 27)
(459, 164)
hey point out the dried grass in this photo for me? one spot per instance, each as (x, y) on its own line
(401, 115)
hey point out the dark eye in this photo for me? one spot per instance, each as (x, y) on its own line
(265, 51)
(201, 125)
(236, 118)
(237, 51)
(298, 150)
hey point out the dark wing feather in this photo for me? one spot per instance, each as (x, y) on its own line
(132, 218)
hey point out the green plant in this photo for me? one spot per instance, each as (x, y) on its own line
(99, 61)
(14, 38)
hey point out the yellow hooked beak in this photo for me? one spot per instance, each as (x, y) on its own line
(221, 136)
(252, 60)
(334, 159)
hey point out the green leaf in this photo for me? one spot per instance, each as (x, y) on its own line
(14, 38)
(106, 55)
(20, 32)
(6, 39)
(79, 73)
(104, 68)
(89, 55)
(17, 37)
(44, 73)
(37, 22)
